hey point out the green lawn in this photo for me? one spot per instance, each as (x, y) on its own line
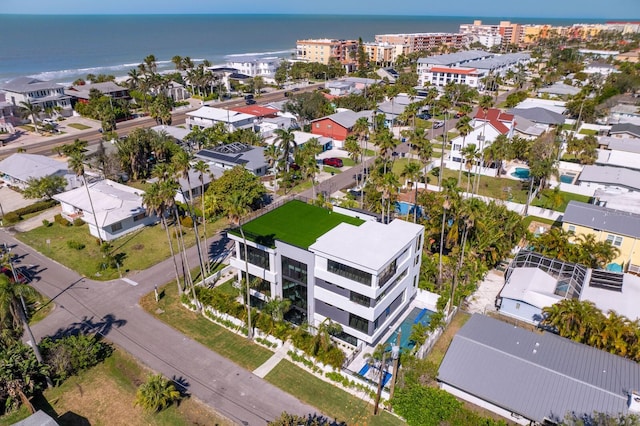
(105, 394)
(335, 402)
(78, 126)
(296, 223)
(588, 132)
(527, 221)
(330, 169)
(348, 162)
(230, 345)
(139, 250)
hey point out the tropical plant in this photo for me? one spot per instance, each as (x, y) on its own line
(44, 187)
(76, 164)
(157, 393)
(29, 110)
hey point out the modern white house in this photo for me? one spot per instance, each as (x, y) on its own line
(112, 211)
(359, 273)
(37, 92)
(255, 66)
(18, 169)
(206, 116)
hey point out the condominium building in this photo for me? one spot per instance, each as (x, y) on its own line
(323, 50)
(342, 266)
(384, 53)
(416, 42)
(467, 67)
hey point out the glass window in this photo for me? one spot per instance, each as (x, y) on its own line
(139, 216)
(358, 323)
(256, 256)
(116, 227)
(294, 269)
(572, 228)
(259, 284)
(387, 273)
(395, 282)
(296, 292)
(360, 299)
(614, 240)
(349, 272)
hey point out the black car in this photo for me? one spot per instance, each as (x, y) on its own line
(424, 116)
(250, 101)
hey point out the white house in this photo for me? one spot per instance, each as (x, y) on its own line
(206, 116)
(111, 211)
(360, 274)
(37, 92)
(486, 128)
(254, 66)
(18, 168)
(600, 68)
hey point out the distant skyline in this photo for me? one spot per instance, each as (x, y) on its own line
(560, 9)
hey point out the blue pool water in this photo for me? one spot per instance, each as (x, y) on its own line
(567, 178)
(521, 173)
(417, 315)
(403, 208)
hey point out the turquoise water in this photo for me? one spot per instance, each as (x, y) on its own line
(567, 178)
(521, 173)
(404, 208)
(417, 315)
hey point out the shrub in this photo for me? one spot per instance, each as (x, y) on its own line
(46, 223)
(186, 222)
(69, 355)
(76, 245)
(78, 222)
(157, 393)
(12, 217)
(36, 207)
(61, 220)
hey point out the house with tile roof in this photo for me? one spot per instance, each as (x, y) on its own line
(110, 209)
(487, 126)
(531, 377)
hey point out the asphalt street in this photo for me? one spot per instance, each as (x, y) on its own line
(111, 308)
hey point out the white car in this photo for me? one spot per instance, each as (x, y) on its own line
(438, 124)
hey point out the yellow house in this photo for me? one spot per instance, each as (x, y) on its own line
(620, 229)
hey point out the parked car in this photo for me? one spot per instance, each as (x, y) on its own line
(333, 162)
(247, 97)
(424, 115)
(250, 102)
(438, 124)
(459, 114)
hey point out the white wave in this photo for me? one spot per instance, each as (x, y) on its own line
(259, 54)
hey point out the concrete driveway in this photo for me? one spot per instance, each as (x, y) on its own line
(11, 200)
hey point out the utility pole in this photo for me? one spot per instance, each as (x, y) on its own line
(375, 409)
(395, 355)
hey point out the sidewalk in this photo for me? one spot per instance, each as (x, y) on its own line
(270, 364)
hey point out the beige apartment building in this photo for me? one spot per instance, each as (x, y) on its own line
(322, 50)
(416, 42)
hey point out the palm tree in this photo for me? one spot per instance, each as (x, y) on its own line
(486, 102)
(277, 308)
(464, 128)
(424, 149)
(157, 393)
(286, 141)
(154, 202)
(322, 336)
(29, 110)
(469, 153)
(202, 168)
(412, 173)
(237, 206)
(76, 164)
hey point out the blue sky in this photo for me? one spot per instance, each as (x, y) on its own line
(594, 9)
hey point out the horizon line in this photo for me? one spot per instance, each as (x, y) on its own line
(319, 14)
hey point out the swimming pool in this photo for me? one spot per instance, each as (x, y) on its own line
(567, 178)
(521, 173)
(417, 315)
(403, 208)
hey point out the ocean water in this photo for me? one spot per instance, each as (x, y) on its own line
(63, 48)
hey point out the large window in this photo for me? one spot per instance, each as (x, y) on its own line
(294, 269)
(296, 292)
(387, 273)
(360, 299)
(256, 256)
(358, 323)
(614, 240)
(349, 272)
(259, 284)
(392, 286)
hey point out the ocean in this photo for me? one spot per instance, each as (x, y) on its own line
(64, 48)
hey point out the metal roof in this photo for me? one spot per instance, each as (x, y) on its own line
(28, 84)
(23, 166)
(602, 218)
(632, 129)
(539, 115)
(456, 58)
(611, 176)
(347, 119)
(536, 375)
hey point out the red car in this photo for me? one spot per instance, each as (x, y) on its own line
(333, 162)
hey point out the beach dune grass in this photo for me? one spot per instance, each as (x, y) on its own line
(295, 222)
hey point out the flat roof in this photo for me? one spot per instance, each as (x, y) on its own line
(296, 223)
(371, 245)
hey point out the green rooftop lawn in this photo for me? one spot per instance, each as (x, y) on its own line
(295, 223)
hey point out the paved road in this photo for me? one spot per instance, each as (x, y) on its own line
(111, 308)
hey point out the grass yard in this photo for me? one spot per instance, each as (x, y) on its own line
(139, 250)
(437, 353)
(296, 223)
(330, 169)
(326, 397)
(588, 132)
(105, 394)
(230, 345)
(347, 162)
(527, 221)
(79, 126)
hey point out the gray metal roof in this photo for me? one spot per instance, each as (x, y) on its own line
(252, 158)
(456, 58)
(28, 84)
(347, 119)
(560, 89)
(23, 166)
(608, 175)
(499, 61)
(626, 145)
(632, 129)
(538, 115)
(536, 375)
(602, 218)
